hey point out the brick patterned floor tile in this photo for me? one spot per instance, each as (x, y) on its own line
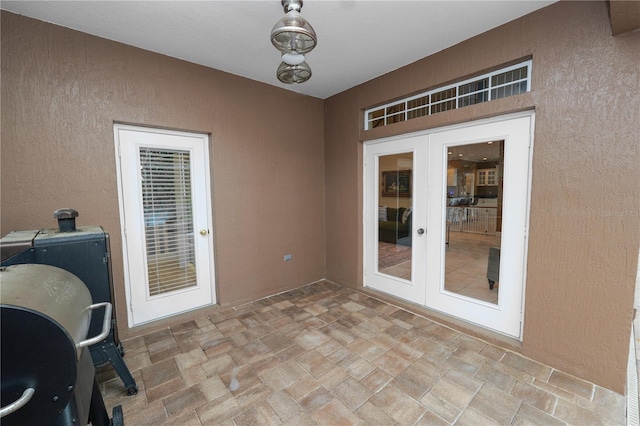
(336, 414)
(376, 380)
(372, 415)
(496, 404)
(283, 405)
(398, 405)
(352, 393)
(497, 379)
(573, 414)
(528, 415)
(535, 397)
(325, 354)
(183, 401)
(571, 384)
(532, 368)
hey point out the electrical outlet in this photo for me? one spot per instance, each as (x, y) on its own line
(287, 257)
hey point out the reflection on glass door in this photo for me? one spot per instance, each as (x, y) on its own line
(394, 215)
(473, 220)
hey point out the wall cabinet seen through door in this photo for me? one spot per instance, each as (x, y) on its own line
(487, 177)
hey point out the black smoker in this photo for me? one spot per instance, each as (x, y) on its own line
(47, 374)
(83, 251)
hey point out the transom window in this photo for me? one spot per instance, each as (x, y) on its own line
(498, 84)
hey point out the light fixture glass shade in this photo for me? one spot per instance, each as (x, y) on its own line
(292, 58)
(290, 74)
(293, 34)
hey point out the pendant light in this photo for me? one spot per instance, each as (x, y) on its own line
(292, 33)
(293, 73)
(293, 36)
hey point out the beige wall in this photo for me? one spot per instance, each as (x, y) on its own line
(584, 232)
(61, 93)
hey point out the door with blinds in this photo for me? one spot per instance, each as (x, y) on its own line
(163, 182)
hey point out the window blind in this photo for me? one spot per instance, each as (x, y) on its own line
(168, 217)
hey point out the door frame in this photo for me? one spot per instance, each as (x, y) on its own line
(211, 275)
(530, 114)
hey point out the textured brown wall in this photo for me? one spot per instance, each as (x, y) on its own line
(62, 90)
(584, 232)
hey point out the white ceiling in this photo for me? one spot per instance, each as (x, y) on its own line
(357, 40)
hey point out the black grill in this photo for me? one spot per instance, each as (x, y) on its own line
(84, 251)
(47, 374)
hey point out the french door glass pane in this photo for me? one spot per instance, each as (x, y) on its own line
(166, 198)
(394, 214)
(474, 220)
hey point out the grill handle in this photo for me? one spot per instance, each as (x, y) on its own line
(19, 403)
(106, 325)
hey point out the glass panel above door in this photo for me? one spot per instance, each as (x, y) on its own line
(473, 220)
(395, 200)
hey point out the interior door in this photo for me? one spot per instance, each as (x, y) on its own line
(465, 254)
(163, 179)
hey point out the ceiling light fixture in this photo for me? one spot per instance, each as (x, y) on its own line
(292, 58)
(296, 73)
(293, 36)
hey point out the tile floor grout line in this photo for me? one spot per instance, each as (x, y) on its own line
(555, 406)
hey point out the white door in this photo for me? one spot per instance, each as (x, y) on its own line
(395, 217)
(471, 258)
(165, 207)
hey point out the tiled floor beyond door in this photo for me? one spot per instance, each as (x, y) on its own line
(327, 355)
(466, 258)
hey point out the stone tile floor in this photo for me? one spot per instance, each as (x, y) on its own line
(327, 355)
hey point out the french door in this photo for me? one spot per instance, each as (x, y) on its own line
(395, 217)
(163, 182)
(446, 218)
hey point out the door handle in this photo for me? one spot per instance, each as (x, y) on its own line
(420, 231)
(204, 232)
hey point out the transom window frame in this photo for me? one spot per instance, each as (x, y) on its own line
(482, 88)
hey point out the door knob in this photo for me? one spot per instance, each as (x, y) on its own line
(420, 231)
(204, 231)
